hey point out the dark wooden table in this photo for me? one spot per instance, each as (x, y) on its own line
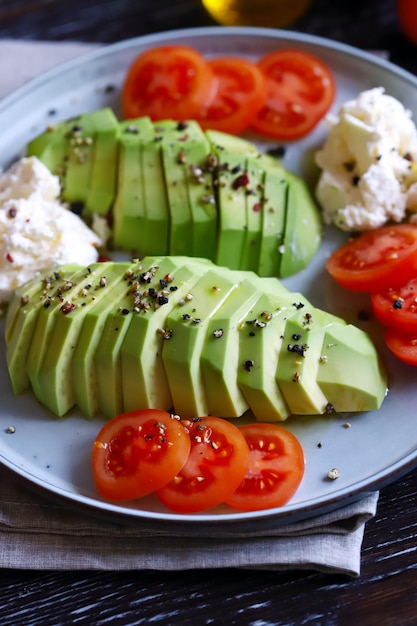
(386, 592)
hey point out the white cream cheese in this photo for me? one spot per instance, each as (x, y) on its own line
(368, 163)
(36, 230)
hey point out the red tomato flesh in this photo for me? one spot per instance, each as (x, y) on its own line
(240, 93)
(276, 468)
(301, 89)
(402, 345)
(217, 463)
(167, 82)
(397, 308)
(138, 452)
(376, 260)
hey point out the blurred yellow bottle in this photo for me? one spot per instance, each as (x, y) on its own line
(269, 13)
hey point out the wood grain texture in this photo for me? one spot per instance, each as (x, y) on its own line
(386, 592)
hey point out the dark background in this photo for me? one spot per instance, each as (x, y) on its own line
(386, 592)
(368, 24)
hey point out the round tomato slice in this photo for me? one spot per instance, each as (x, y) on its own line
(377, 259)
(397, 308)
(239, 95)
(217, 463)
(301, 89)
(167, 82)
(136, 453)
(402, 345)
(276, 468)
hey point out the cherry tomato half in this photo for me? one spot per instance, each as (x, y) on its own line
(167, 82)
(276, 468)
(397, 308)
(377, 259)
(301, 89)
(402, 345)
(217, 463)
(138, 452)
(239, 95)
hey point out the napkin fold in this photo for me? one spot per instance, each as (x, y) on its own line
(37, 533)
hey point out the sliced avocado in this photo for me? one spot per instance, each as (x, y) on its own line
(82, 363)
(54, 379)
(220, 354)
(303, 228)
(181, 225)
(195, 149)
(52, 147)
(254, 199)
(188, 324)
(156, 201)
(129, 211)
(107, 359)
(102, 188)
(260, 341)
(298, 362)
(79, 162)
(45, 321)
(273, 217)
(144, 380)
(350, 373)
(232, 180)
(21, 319)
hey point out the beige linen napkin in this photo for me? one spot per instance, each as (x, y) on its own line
(38, 533)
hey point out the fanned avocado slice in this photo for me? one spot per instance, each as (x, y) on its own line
(144, 380)
(130, 225)
(21, 319)
(254, 199)
(55, 387)
(299, 361)
(181, 225)
(260, 342)
(220, 353)
(107, 357)
(232, 179)
(349, 367)
(188, 325)
(45, 320)
(102, 189)
(303, 227)
(52, 147)
(274, 200)
(83, 371)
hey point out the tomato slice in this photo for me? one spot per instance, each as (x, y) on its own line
(377, 259)
(217, 463)
(402, 345)
(138, 452)
(397, 308)
(276, 468)
(301, 89)
(239, 95)
(167, 82)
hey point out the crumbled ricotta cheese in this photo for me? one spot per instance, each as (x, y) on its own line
(36, 230)
(369, 163)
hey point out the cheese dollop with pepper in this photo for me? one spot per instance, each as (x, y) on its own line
(36, 230)
(368, 163)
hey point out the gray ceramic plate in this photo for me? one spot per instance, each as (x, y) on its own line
(377, 448)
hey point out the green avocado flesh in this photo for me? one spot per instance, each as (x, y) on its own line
(183, 334)
(170, 188)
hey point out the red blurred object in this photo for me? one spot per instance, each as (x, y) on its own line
(407, 17)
